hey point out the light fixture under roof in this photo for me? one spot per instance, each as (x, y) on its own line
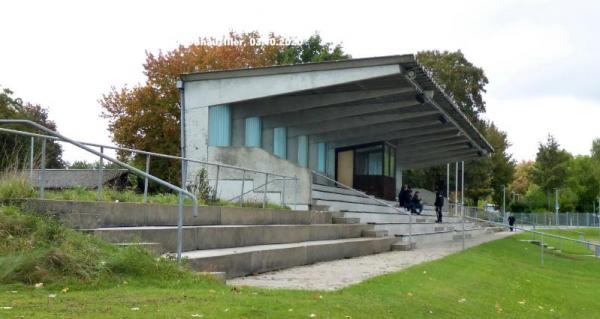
(443, 119)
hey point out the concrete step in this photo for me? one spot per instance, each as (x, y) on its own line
(243, 261)
(345, 220)
(85, 215)
(227, 236)
(404, 246)
(425, 239)
(405, 228)
(375, 233)
(154, 248)
(380, 218)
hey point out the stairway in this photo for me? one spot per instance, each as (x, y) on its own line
(422, 229)
(237, 241)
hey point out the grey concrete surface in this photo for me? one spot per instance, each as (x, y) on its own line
(334, 275)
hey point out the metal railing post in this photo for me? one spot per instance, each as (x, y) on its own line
(100, 177)
(295, 193)
(242, 193)
(43, 170)
(31, 159)
(284, 181)
(180, 227)
(462, 201)
(456, 189)
(542, 248)
(264, 204)
(217, 180)
(146, 178)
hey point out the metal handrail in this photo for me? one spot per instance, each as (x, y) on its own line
(535, 231)
(237, 197)
(58, 136)
(373, 199)
(137, 151)
(149, 154)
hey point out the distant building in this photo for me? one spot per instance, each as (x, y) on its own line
(359, 121)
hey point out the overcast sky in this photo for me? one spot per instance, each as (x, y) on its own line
(541, 57)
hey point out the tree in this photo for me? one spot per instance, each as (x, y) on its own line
(550, 169)
(14, 150)
(501, 162)
(147, 116)
(583, 180)
(520, 183)
(596, 150)
(460, 79)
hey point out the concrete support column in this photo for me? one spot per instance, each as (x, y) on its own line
(398, 177)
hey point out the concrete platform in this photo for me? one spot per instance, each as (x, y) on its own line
(86, 215)
(258, 259)
(227, 236)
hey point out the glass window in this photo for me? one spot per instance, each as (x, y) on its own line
(369, 160)
(253, 132)
(303, 150)
(280, 142)
(219, 125)
(321, 157)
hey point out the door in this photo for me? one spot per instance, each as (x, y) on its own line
(345, 167)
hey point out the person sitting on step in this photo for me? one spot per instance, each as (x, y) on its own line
(416, 207)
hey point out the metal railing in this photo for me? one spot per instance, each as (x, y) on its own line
(588, 244)
(381, 202)
(218, 166)
(57, 136)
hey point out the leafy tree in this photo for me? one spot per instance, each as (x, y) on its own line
(550, 168)
(14, 150)
(311, 50)
(596, 150)
(583, 180)
(147, 116)
(501, 162)
(461, 80)
(521, 182)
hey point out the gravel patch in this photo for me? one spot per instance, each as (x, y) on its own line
(337, 274)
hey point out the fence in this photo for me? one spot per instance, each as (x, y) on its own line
(228, 182)
(56, 136)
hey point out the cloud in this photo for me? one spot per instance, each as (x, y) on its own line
(528, 121)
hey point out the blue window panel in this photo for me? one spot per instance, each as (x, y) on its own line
(253, 132)
(303, 150)
(375, 163)
(321, 157)
(219, 125)
(280, 142)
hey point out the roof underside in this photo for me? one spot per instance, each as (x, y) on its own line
(431, 131)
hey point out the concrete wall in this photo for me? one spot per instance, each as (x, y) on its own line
(261, 160)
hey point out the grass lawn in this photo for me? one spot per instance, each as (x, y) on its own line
(501, 279)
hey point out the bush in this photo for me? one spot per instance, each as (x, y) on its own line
(13, 186)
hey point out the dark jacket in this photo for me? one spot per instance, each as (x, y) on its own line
(416, 199)
(439, 199)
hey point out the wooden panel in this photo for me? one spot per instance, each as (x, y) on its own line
(345, 167)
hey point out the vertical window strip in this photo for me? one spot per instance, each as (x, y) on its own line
(280, 142)
(321, 157)
(303, 150)
(219, 125)
(253, 132)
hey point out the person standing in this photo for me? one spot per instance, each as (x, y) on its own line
(402, 196)
(511, 221)
(439, 203)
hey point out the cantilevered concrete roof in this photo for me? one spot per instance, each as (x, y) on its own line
(389, 98)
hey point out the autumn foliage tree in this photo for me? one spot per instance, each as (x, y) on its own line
(14, 149)
(147, 116)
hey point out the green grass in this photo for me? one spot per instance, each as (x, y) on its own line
(501, 279)
(36, 248)
(12, 187)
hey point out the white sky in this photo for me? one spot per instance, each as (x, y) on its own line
(541, 57)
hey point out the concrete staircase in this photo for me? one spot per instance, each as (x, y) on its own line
(237, 241)
(424, 229)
